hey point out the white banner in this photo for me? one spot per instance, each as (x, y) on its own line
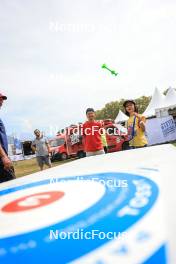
(160, 130)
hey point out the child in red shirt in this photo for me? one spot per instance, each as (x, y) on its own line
(92, 131)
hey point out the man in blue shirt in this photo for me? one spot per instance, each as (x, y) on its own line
(6, 166)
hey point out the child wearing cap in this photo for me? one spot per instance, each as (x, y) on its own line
(135, 125)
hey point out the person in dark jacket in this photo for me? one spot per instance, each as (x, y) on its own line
(6, 166)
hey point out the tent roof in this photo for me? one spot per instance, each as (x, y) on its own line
(121, 117)
(170, 99)
(156, 102)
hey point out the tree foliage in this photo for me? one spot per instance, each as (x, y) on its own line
(110, 110)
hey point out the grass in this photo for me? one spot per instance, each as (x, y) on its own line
(26, 167)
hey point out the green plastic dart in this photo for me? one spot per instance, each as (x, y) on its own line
(104, 66)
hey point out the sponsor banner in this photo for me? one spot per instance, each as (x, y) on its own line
(160, 130)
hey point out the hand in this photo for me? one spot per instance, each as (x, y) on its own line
(7, 163)
(139, 117)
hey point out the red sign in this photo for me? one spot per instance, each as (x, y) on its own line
(32, 201)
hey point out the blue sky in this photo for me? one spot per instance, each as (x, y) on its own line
(52, 51)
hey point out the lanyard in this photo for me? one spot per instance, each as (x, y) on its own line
(133, 130)
(132, 134)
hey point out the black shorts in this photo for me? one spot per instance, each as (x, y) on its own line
(6, 175)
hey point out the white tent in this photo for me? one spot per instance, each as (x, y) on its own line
(169, 103)
(156, 102)
(170, 99)
(121, 117)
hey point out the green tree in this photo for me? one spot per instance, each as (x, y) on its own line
(110, 110)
